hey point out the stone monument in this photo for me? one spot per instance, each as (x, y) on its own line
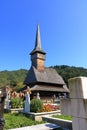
(76, 105)
(38, 95)
(27, 100)
(2, 100)
(8, 101)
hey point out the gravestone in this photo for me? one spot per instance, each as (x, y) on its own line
(2, 100)
(76, 105)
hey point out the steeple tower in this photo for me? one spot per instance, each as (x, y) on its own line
(38, 55)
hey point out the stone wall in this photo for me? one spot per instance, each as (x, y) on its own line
(60, 122)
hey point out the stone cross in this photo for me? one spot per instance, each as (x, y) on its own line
(2, 100)
(76, 105)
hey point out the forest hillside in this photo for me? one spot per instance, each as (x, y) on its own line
(16, 78)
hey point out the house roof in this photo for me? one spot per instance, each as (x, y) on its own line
(49, 75)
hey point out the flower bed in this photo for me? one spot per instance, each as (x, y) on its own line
(37, 105)
(50, 107)
(38, 116)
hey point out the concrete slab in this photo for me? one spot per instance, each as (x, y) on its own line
(46, 126)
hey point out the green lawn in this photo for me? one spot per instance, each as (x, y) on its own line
(63, 117)
(16, 120)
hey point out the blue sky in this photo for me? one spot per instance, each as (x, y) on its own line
(63, 27)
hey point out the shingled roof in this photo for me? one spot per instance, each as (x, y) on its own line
(50, 88)
(49, 75)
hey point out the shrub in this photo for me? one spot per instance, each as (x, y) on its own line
(16, 102)
(36, 105)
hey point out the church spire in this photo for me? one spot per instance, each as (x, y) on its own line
(38, 55)
(38, 41)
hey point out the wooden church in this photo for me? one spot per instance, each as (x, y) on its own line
(42, 80)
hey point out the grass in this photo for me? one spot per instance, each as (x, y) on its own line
(16, 120)
(63, 117)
